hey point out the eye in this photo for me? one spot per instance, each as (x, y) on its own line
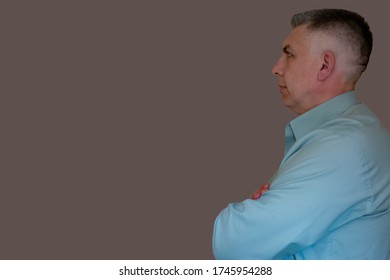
(287, 52)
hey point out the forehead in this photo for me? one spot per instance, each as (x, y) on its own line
(297, 38)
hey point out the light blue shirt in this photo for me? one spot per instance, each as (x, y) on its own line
(329, 199)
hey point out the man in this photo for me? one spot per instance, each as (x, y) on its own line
(330, 197)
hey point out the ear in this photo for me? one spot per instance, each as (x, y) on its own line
(328, 62)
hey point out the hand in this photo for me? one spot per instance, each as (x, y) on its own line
(259, 192)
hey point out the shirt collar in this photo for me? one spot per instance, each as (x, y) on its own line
(320, 114)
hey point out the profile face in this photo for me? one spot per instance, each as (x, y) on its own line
(297, 70)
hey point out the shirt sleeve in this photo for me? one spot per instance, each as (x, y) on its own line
(318, 187)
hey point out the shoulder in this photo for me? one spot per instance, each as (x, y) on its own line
(346, 147)
(354, 129)
(358, 131)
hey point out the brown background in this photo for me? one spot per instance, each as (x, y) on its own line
(127, 126)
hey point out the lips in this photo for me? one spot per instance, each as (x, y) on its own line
(282, 87)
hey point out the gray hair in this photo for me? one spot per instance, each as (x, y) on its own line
(348, 27)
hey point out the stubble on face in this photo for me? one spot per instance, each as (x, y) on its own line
(297, 71)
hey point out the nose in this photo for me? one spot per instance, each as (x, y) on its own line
(278, 69)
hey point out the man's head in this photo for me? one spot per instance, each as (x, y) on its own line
(323, 56)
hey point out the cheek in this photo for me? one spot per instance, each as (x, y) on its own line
(301, 76)
(294, 79)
